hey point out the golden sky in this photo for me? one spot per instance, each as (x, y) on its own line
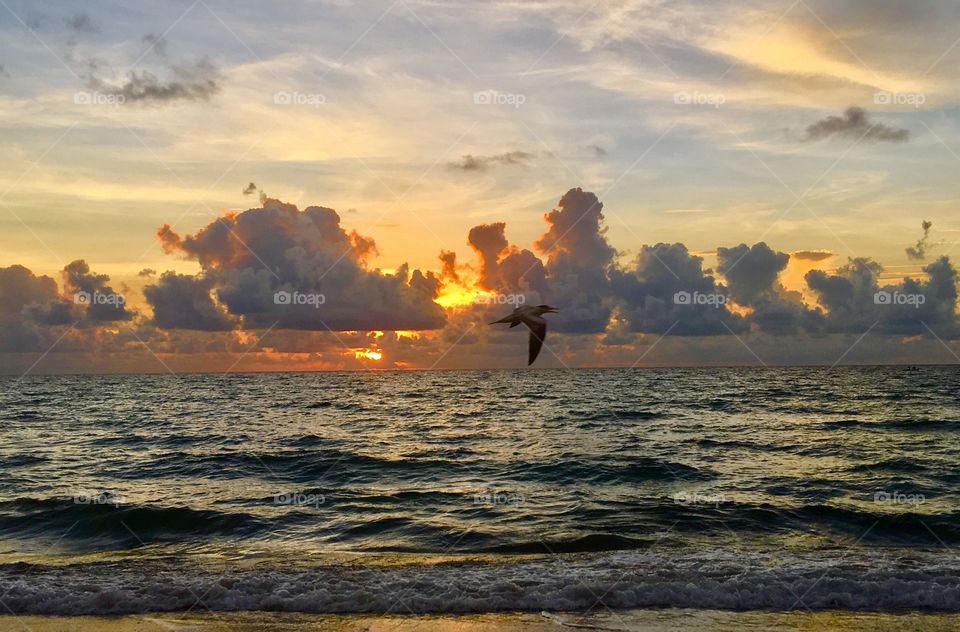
(813, 127)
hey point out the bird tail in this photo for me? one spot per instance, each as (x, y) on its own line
(505, 319)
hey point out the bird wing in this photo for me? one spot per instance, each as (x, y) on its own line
(512, 318)
(538, 331)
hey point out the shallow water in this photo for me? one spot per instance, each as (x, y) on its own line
(473, 491)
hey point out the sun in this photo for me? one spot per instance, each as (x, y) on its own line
(369, 354)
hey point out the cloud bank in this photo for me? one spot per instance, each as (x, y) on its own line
(304, 278)
(259, 262)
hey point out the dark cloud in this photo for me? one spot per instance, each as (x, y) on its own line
(578, 261)
(855, 123)
(250, 257)
(481, 163)
(855, 302)
(618, 334)
(27, 301)
(647, 294)
(449, 270)
(147, 273)
(34, 314)
(489, 241)
(82, 23)
(752, 273)
(919, 251)
(193, 82)
(250, 189)
(848, 294)
(812, 255)
(503, 267)
(182, 301)
(103, 303)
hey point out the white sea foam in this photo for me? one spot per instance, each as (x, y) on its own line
(880, 580)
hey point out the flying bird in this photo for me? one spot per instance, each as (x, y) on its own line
(532, 317)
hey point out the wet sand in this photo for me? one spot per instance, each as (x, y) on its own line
(671, 620)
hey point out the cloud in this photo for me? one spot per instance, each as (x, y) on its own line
(481, 163)
(27, 301)
(195, 82)
(855, 123)
(36, 316)
(855, 302)
(752, 273)
(103, 303)
(597, 150)
(503, 267)
(147, 273)
(182, 301)
(250, 257)
(250, 189)
(156, 44)
(919, 251)
(578, 261)
(812, 255)
(81, 22)
(647, 295)
(449, 270)
(247, 259)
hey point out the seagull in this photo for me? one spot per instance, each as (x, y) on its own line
(531, 316)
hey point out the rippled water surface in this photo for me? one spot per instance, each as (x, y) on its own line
(729, 488)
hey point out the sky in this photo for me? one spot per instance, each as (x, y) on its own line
(239, 186)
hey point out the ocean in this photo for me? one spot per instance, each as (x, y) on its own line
(787, 489)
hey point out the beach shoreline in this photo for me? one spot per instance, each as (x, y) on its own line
(664, 620)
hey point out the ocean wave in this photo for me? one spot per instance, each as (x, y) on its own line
(568, 468)
(21, 460)
(733, 580)
(613, 414)
(106, 517)
(292, 465)
(917, 425)
(898, 464)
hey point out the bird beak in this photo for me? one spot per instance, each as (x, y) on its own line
(553, 310)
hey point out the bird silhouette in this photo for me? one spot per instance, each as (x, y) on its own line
(532, 317)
